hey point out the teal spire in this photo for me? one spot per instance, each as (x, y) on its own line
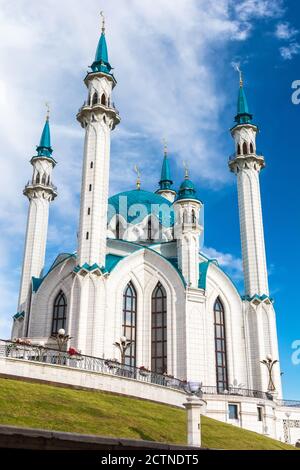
(44, 149)
(243, 114)
(165, 179)
(101, 63)
(187, 189)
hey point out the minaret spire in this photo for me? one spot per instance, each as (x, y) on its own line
(101, 62)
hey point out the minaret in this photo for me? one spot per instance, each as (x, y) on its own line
(40, 192)
(188, 228)
(98, 117)
(165, 184)
(246, 163)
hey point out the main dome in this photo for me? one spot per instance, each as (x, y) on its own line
(137, 204)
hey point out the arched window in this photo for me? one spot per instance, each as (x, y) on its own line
(95, 98)
(245, 150)
(159, 330)
(118, 230)
(129, 322)
(103, 99)
(44, 179)
(251, 147)
(59, 313)
(220, 347)
(149, 230)
(37, 178)
(239, 149)
(185, 217)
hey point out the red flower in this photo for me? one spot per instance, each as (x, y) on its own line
(73, 352)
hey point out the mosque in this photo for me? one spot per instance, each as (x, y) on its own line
(138, 271)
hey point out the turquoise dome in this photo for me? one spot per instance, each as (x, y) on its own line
(126, 204)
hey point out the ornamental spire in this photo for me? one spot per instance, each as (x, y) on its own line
(101, 63)
(243, 114)
(103, 22)
(165, 179)
(44, 148)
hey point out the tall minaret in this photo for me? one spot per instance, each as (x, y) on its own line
(40, 192)
(165, 184)
(98, 117)
(188, 229)
(246, 163)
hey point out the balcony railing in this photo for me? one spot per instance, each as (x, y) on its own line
(110, 107)
(38, 353)
(257, 153)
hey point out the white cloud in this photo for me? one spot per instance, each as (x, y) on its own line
(232, 265)
(285, 31)
(249, 9)
(288, 52)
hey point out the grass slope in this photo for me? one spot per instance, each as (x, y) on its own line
(62, 409)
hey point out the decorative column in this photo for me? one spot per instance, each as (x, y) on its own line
(193, 407)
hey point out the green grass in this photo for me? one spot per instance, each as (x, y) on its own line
(62, 409)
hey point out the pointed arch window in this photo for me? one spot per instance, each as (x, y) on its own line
(37, 178)
(129, 322)
(220, 347)
(251, 148)
(59, 318)
(44, 179)
(239, 149)
(95, 98)
(159, 330)
(103, 99)
(118, 233)
(194, 220)
(245, 150)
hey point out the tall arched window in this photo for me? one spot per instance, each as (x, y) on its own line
(95, 98)
(118, 232)
(150, 234)
(239, 149)
(220, 347)
(37, 178)
(159, 330)
(251, 147)
(44, 179)
(103, 99)
(59, 313)
(245, 150)
(129, 322)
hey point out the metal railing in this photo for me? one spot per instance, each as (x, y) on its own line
(38, 353)
(288, 403)
(236, 391)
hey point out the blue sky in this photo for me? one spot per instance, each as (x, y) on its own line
(175, 81)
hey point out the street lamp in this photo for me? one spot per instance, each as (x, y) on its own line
(269, 363)
(61, 339)
(123, 344)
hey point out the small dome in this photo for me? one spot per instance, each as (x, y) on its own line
(187, 190)
(126, 204)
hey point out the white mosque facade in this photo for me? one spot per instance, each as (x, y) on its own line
(139, 272)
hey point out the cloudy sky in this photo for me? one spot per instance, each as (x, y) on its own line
(176, 80)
